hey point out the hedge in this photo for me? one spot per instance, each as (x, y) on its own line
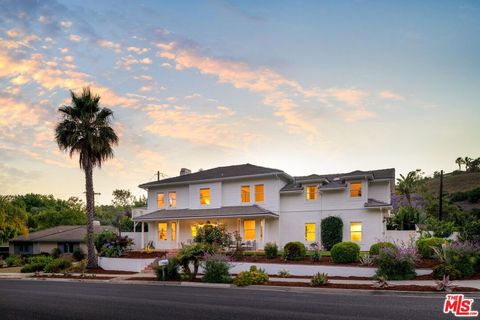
(331, 232)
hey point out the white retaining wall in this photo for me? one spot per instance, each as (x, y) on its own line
(123, 264)
(399, 236)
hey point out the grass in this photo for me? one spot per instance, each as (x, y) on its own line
(10, 270)
(455, 183)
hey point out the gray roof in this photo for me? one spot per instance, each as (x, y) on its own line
(337, 180)
(222, 212)
(242, 170)
(373, 203)
(60, 234)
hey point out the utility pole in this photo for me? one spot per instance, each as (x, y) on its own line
(158, 175)
(440, 197)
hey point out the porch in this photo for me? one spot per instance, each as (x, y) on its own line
(169, 229)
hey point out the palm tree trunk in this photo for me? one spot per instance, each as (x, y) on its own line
(91, 256)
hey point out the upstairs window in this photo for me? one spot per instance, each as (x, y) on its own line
(205, 196)
(245, 194)
(356, 231)
(162, 231)
(310, 232)
(160, 200)
(355, 190)
(312, 192)
(172, 199)
(259, 193)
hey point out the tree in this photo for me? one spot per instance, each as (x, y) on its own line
(460, 161)
(85, 129)
(467, 161)
(13, 219)
(122, 198)
(406, 185)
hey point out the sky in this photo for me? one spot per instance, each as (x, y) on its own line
(302, 86)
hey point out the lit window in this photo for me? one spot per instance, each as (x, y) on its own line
(162, 231)
(356, 231)
(160, 200)
(173, 226)
(310, 234)
(172, 199)
(355, 190)
(249, 231)
(245, 193)
(194, 231)
(259, 193)
(262, 227)
(312, 192)
(205, 196)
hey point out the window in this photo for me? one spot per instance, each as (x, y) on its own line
(160, 200)
(205, 196)
(245, 194)
(259, 193)
(356, 190)
(162, 231)
(194, 231)
(249, 231)
(312, 192)
(356, 231)
(173, 234)
(310, 233)
(262, 227)
(172, 199)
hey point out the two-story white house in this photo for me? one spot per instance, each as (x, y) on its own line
(266, 205)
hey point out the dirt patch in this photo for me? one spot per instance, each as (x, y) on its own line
(144, 255)
(86, 277)
(102, 271)
(367, 287)
(427, 263)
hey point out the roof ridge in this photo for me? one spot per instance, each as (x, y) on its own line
(61, 231)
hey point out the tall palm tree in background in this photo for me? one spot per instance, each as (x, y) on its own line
(467, 161)
(85, 128)
(460, 161)
(407, 185)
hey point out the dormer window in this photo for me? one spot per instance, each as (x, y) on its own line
(355, 190)
(205, 196)
(312, 192)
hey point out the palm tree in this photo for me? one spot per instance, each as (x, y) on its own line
(460, 161)
(468, 161)
(407, 185)
(85, 128)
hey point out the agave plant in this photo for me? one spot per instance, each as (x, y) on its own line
(319, 279)
(367, 260)
(381, 283)
(284, 273)
(445, 284)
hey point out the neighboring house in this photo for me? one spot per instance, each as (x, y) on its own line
(65, 238)
(266, 205)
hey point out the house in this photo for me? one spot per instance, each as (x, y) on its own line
(65, 238)
(266, 205)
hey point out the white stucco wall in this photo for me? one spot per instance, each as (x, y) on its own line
(122, 264)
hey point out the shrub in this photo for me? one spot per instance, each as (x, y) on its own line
(315, 247)
(191, 254)
(57, 265)
(251, 277)
(375, 248)
(345, 252)
(78, 254)
(458, 196)
(319, 279)
(294, 251)
(216, 269)
(396, 263)
(103, 238)
(109, 244)
(424, 246)
(55, 253)
(331, 232)
(464, 256)
(440, 228)
(214, 235)
(271, 250)
(168, 272)
(13, 261)
(474, 195)
(284, 273)
(32, 267)
(446, 270)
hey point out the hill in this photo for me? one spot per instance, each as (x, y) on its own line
(454, 182)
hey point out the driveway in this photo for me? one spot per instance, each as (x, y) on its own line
(27, 299)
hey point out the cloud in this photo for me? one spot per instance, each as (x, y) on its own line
(128, 61)
(390, 95)
(75, 37)
(66, 24)
(349, 96)
(109, 45)
(138, 50)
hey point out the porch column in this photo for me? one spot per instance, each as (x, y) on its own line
(143, 236)
(264, 223)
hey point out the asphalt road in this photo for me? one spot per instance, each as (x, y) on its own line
(68, 300)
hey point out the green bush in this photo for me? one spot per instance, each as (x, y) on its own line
(345, 252)
(57, 265)
(214, 235)
(446, 270)
(251, 277)
(375, 248)
(424, 246)
(36, 263)
(55, 253)
(331, 232)
(396, 264)
(474, 195)
(78, 254)
(32, 267)
(294, 251)
(168, 272)
(216, 269)
(319, 279)
(13, 261)
(271, 250)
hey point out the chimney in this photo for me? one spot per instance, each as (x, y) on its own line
(185, 171)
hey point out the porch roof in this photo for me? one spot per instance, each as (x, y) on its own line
(222, 212)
